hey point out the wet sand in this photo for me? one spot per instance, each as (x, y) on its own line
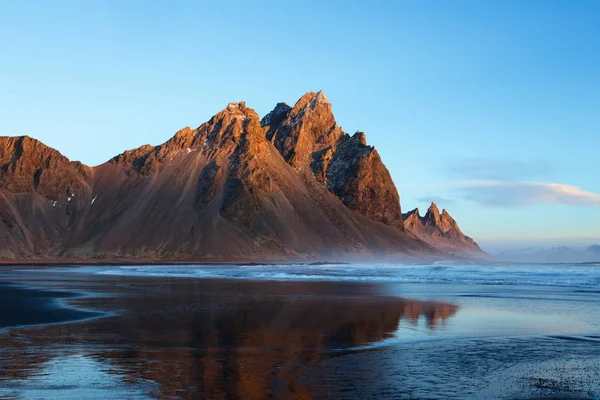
(20, 305)
(208, 338)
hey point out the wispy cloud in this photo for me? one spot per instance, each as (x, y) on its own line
(514, 194)
(499, 170)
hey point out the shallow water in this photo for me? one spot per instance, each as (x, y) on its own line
(333, 331)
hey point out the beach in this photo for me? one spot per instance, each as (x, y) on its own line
(326, 331)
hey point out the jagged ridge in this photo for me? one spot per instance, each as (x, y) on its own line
(293, 184)
(441, 231)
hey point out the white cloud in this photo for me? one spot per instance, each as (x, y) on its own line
(512, 194)
(499, 170)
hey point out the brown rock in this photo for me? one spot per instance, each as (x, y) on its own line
(29, 165)
(441, 231)
(308, 138)
(236, 187)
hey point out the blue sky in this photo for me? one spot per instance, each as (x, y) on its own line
(492, 109)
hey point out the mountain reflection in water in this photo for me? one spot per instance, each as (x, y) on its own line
(209, 338)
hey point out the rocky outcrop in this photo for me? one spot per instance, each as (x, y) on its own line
(237, 187)
(440, 230)
(309, 139)
(358, 177)
(41, 192)
(306, 128)
(28, 165)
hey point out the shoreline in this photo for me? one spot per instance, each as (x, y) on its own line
(309, 260)
(52, 262)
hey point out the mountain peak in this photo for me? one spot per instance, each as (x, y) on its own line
(440, 231)
(361, 137)
(307, 127)
(236, 105)
(309, 139)
(238, 108)
(235, 110)
(29, 165)
(313, 102)
(411, 219)
(433, 214)
(276, 116)
(313, 99)
(411, 213)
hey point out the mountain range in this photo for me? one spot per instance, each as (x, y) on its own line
(559, 254)
(290, 185)
(441, 231)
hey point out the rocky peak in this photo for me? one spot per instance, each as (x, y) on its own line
(229, 124)
(411, 218)
(307, 135)
(312, 100)
(448, 223)
(360, 137)
(234, 110)
(236, 107)
(433, 215)
(276, 116)
(443, 221)
(440, 230)
(220, 134)
(412, 213)
(27, 165)
(359, 178)
(308, 127)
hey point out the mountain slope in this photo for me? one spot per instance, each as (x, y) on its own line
(441, 231)
(40, 190)
(293, 184)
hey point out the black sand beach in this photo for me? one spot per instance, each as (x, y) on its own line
(20, 305)
(217, 338)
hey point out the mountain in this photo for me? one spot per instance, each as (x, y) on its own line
(290, 185)
(441, 231)
(594, 249)
(559, 254)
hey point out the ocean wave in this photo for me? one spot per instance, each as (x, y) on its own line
(520, 275)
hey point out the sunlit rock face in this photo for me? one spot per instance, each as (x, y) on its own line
(309, 139)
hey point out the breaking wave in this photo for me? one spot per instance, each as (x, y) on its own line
(582, 276)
